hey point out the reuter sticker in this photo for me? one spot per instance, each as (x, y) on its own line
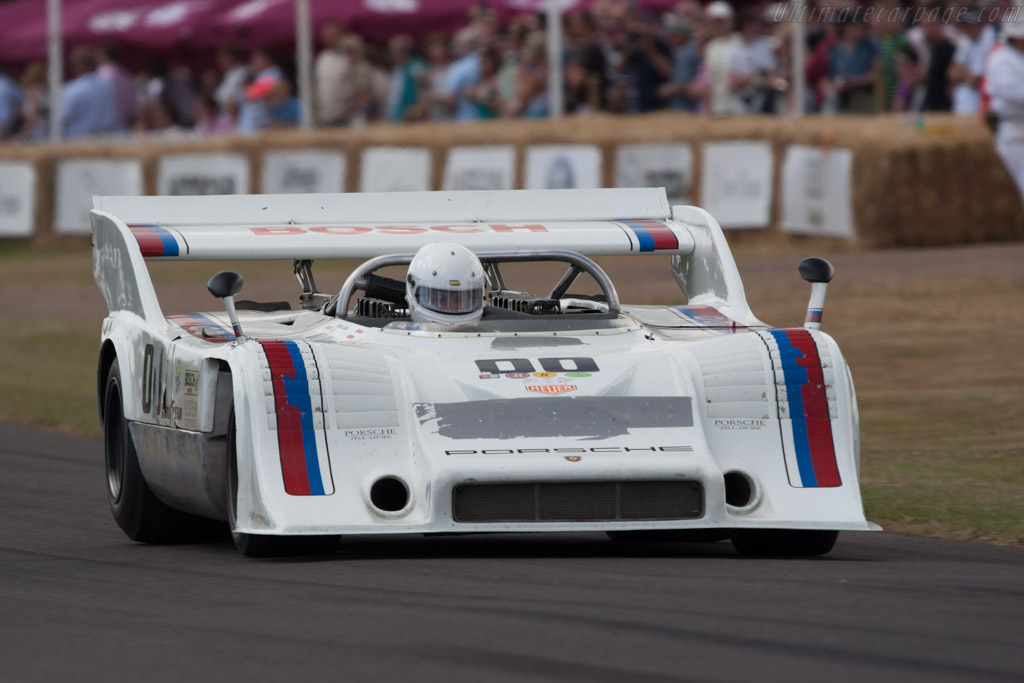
(551, 388)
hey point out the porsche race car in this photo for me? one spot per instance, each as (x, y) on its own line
(561, 409)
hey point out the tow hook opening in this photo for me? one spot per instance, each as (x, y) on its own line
(740, 491)
(389, 494)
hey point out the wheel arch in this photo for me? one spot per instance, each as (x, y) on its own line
(108, 354)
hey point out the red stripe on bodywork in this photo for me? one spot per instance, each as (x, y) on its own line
(289, 420)
(149, 242)
(663, 236)
(819, 424)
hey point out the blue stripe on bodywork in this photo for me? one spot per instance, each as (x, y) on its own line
(299, 396)
(795, 377)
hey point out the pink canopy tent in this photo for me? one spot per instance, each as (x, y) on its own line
(164, 24)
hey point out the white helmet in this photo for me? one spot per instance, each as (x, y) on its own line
(445, 285)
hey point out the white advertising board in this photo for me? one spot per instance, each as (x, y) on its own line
(395, 169)
(559, 167)
(486, 167)
(195, 174)
(668, 165)
(817, 196)
(299, 171)
(17, 199)
(79, 179)
(736, 183)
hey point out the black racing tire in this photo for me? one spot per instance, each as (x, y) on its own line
(670, 536)
(139, 513)
(783, 542)
(262, 545)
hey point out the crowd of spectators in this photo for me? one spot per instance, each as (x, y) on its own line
(708, 59)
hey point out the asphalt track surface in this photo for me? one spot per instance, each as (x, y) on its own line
(80, 602)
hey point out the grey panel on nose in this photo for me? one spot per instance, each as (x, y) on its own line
(594, 417)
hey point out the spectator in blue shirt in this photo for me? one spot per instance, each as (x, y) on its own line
(285, 108)
(685, 63)
(463, 75)
(254, 114)
(88, 104)
(851, 68)
(11, 100)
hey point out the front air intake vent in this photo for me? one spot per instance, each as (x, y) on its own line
(578, 501)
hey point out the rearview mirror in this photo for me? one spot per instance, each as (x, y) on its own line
(224, 285)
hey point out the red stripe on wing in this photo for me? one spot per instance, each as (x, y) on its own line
(149, 242)
(663, 236)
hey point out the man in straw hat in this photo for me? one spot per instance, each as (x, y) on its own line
(1004, 77)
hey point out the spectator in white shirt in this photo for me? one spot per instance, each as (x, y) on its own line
(751, 68)
(330, 71)
(719, 18)
(1004, 78)
(969, 62)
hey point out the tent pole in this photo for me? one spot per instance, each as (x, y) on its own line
(798, 54)
(55, 65)
(556, 105)
(304, 61)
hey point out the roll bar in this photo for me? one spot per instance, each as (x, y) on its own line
(577, 264)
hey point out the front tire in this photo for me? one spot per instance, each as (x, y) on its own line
(261, 545)
(784, 542)
(136, 509)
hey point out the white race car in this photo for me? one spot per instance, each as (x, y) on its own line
(556, 411)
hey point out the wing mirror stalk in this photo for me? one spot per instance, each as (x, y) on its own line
(819, 273)
(225, 285)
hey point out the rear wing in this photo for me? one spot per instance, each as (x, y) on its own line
(335, 226)
(127, 231)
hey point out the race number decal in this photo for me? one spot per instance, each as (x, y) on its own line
(499, 366)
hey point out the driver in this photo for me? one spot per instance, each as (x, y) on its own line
(445, 285)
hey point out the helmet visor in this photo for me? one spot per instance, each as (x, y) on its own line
(450, 301)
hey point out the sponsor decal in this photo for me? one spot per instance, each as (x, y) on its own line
(808, 408)
(488, 375)
(578, 374)
(454, 283)
(577, 452)
(192, 382)
(545, 374)
(517, 375)
(573, 458)
(551, 388)
(740, 423)
(304, 473)
(397, 229)
(652, 235)
(371, 434)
